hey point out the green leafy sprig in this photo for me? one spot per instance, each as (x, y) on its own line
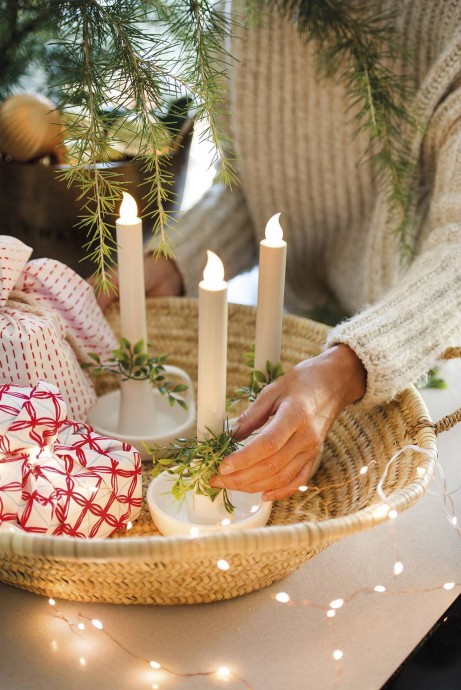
(434, 380)
(194, 462)
(133, 362)
(258, 380)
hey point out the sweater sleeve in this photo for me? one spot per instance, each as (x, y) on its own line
(400, 337)
(219, 221)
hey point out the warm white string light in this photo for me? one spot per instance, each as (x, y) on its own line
(282, 597)
(398, 568)
(381, 510)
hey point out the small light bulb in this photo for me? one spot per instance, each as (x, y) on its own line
(381, 510)
(393, 514)
(303, 488)
(51, 602)
(449, 585)
(398, 568)
(454, 521)
(81, 626)
(420, 471)
(223, 564)
(364, 469)
(194, 532)
(379, 588)
(97, 624)
(155, 664)
(155, 686)
(223, 672)
(254, 509)
(225, 522)
(338, 654)
(336, 603)
(331, 613)
(82, 661)
(282, 597)
(129, 524)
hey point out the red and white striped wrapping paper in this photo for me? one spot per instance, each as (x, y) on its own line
(49, 321)
(60, 477)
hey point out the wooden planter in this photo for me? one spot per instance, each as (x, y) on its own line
(41, 211)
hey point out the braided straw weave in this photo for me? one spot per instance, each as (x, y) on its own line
(143, 567)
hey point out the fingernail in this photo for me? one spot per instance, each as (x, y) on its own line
(268, 497)
(225, 468)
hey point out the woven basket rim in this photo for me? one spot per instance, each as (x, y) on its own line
(261, 539)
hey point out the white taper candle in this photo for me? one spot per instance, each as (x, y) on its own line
(130, 261)
(137, 407)
(212, 348)
(271, 289)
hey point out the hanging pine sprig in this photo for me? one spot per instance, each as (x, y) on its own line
(202, 28)
(358, 45)
(107, 58)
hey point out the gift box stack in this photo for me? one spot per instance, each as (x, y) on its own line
(57, 476)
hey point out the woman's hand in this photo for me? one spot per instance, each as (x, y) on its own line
(162, 279)
(304, 404)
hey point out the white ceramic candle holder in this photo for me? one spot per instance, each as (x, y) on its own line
(138, 414)
(194, 516)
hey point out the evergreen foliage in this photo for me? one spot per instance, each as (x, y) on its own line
(137, 55)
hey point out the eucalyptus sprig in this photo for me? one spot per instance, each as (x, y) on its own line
(133, 362)
(258, 380)
(193, 463)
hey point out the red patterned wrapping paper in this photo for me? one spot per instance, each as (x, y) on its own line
(49, 321)
(60, 477)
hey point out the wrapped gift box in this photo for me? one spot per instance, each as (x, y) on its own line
(58, 476)
(49, 321)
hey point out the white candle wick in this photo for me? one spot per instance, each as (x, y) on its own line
(213, 274)
(128, 209)
(274, 232)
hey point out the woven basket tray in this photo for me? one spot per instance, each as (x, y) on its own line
(143, 567)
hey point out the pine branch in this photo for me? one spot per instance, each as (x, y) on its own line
(361, 50)
(202, 31)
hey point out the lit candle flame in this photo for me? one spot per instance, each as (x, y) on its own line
(274, 232)
(214, 270)
(128, 208)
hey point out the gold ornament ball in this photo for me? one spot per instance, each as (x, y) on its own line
(30, 127)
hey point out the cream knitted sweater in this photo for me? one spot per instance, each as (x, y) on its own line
(295, 154)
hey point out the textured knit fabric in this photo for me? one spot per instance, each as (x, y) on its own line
(296, 154)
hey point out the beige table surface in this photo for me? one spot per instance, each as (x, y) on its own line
(271, 645)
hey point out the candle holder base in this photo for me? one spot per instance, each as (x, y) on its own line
(167, 424)
(172, 517)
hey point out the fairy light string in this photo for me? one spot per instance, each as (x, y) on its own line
(330, 610)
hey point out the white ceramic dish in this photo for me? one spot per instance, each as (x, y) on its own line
(172, 519)
(167, 424)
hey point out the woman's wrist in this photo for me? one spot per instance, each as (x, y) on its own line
(352, 375)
